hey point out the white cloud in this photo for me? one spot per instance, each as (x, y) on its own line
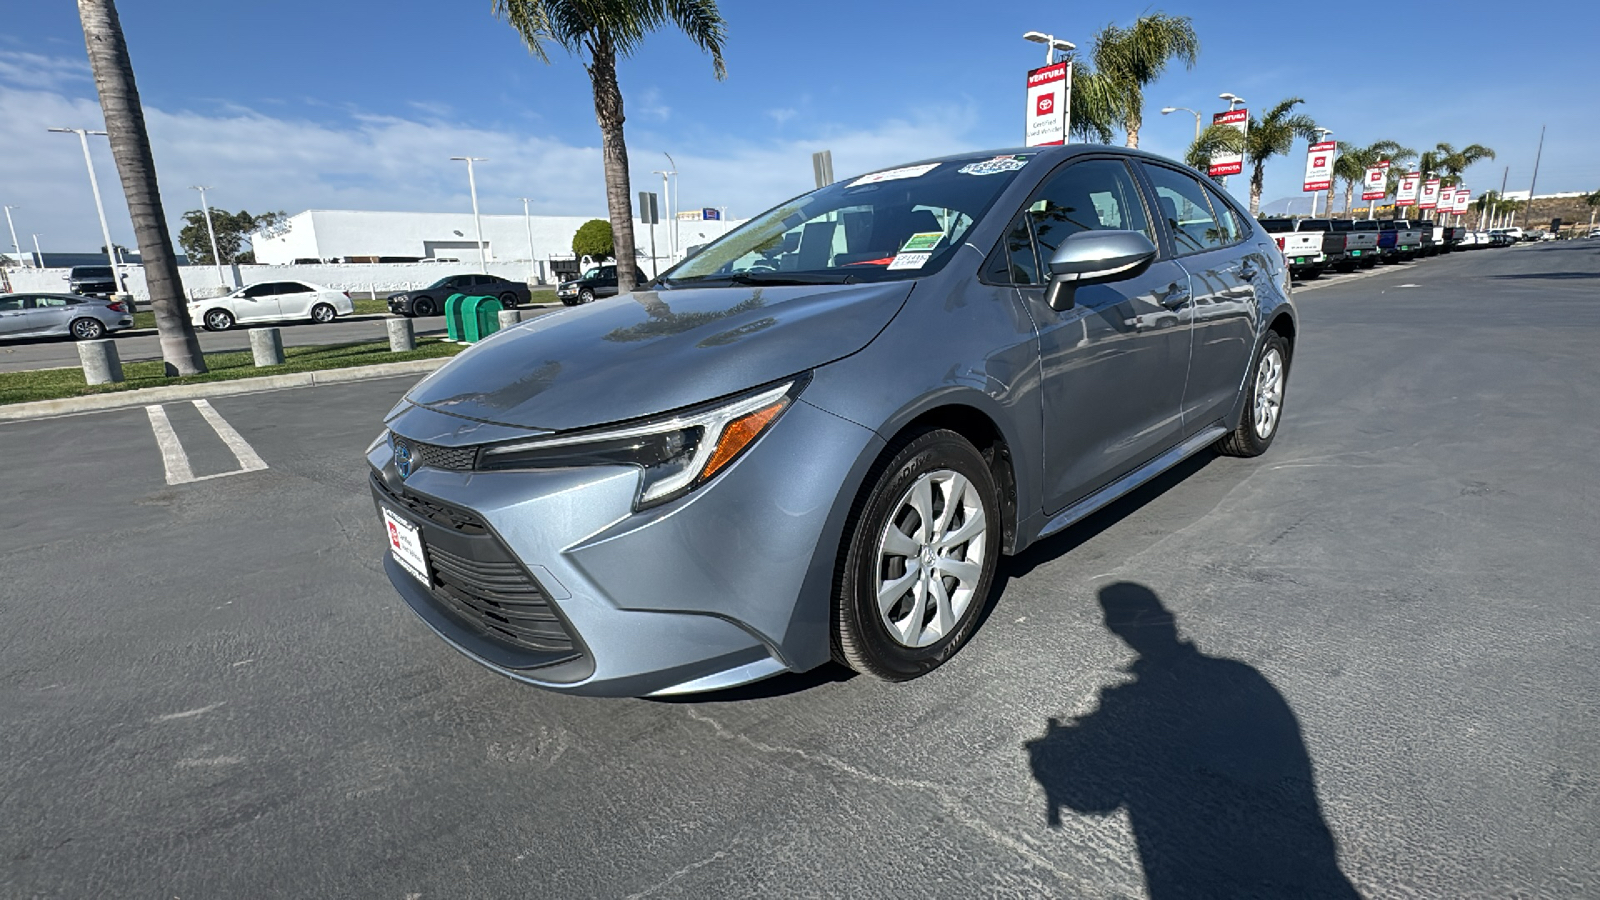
(32, 70)
(353, 160)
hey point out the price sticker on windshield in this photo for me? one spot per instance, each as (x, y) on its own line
(895, 174)
(905, 260)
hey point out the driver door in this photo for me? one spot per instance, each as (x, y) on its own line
(1113, 365)
(256, 303)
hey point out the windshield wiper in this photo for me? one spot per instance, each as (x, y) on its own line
(790, 278)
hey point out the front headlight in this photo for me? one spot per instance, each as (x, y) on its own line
(674, 454)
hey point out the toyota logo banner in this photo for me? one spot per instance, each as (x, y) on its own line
(1048, 117)
(1375, 184)
(1319, 165)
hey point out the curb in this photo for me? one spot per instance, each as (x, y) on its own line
(40, 409)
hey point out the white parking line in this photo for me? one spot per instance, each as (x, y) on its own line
(176, 460)
(172, 455)
(249, 461)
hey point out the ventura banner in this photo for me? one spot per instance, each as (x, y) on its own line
(1375, 184)
(1407, 194)
(1319, 166)
(1049, 90)
(1430, 194)
(1463, 201)
(1230, 163)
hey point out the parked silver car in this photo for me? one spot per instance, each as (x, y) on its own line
(44, 315)
(814, 439)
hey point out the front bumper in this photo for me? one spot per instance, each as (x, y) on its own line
(726, 585)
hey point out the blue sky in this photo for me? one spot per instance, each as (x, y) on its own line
(295, 105)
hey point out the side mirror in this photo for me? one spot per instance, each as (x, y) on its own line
(1096, 257)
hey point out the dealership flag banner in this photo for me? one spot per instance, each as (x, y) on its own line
(1375, 184)
(1319, 166)
(1463, 200)
(1229, 163)
(1407, 195)
(1048, 90)
(1447, 199)
(1430, 194)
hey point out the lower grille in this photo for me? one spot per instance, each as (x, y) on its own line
(499, 599)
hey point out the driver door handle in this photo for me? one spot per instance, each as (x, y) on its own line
(1175, 296)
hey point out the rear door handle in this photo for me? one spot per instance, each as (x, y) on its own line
(1247, 270)
(1175, 296)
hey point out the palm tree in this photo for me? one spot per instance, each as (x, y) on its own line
(1133, 57)
(1095, 104)
(1272, 135)
(600, 31)
(1214, 140)
(1454, 163)
(1353, 162)
(1593, 201)
(130, 147)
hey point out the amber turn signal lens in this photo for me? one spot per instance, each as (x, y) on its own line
(738, 435)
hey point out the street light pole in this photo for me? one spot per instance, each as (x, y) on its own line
(94, 184)
(38, 255)
(527, 219)
(666, 199)
(15, 247)
(477, 222)
(1535, 182)
(1167, 110)
(216, 257)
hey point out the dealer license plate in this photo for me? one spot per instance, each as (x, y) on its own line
(405, 541)
(1355, 252)
(1299, 260)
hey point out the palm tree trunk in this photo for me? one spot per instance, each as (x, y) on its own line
(1331, 181)
(1258, 174)
(614, 149)
(1133, 137)
(130, 147)
(1349, 196)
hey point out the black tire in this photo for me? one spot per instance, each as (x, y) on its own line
(218, 320)
(1246, 439)
(1312, 274)
(508, 300)
(323, 314)
(1369, 262)
(586, 296)
(87, 329)
(861, 637)
(423, 306)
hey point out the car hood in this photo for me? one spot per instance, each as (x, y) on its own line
(653, 351)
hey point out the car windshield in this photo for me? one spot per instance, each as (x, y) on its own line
(591, 273)
(898, 223)
(92, 272)
(446, 281)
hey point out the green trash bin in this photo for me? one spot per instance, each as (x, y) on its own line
(452, 317)
(480, 317)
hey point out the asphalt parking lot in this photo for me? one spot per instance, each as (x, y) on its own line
(1387, 673)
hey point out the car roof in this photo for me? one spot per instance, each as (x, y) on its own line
(80, 297)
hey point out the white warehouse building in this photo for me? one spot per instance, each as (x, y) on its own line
(367, 236)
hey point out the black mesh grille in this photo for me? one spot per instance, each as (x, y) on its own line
(437, 513)
(435, 456)
(499, 599)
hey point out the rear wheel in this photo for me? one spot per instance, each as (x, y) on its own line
(922, 547)
(218, 320)
(423, 306)
(88, 329)
(1263, 411)
(508, 299)
(322, 314)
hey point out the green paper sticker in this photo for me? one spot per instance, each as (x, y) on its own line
(922, 241)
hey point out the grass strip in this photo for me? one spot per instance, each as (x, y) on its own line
(52, 384)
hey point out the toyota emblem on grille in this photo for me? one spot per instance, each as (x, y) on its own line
(403, 458)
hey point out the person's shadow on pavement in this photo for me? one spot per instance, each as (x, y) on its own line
(1207, 759)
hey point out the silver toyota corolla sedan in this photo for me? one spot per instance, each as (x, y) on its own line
(814, 439)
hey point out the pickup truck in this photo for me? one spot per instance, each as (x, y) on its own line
(1302, 251)
(1345, 247)
(1398, 241)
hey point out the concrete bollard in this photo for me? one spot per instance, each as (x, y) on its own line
(101, 364)
(402, 336)
(510, 317)
(266, 345)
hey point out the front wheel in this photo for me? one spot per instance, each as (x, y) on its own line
(218, 320)
(423, 306)
(923, 544)
(88, 329)
(1263, 411)
(586, 296)
(322, 314)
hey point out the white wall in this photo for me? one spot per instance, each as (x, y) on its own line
(201, 281)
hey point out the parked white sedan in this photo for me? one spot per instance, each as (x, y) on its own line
(271, 301)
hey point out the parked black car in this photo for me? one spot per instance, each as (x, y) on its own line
(92, 281)
(429, 301)
(600, 281)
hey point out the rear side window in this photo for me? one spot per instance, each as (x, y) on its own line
(1233, 229)
(1182, 202)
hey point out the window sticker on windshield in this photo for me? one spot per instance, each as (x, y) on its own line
(905, 260)
(994, 166)
(925, 240)
(895, 174)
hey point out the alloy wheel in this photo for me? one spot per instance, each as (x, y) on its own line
(930, 558)
(1269, 392)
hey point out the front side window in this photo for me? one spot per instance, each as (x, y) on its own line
(259, 290)
(895, 224)
(1013, 262)
(10, 304)
(1183, 204)
(1096, 195)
